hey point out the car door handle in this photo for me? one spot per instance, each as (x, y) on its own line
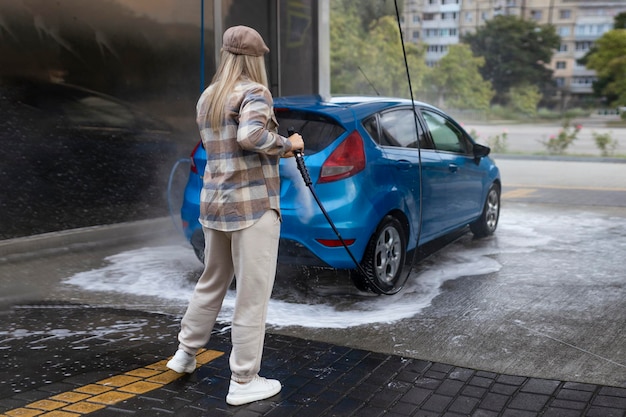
(403, 165)
(453, 167)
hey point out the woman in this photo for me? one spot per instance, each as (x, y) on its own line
(239, 213)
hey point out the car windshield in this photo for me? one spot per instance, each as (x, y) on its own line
(317, 130)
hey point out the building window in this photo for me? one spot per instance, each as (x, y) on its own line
(437, 49)
(565, 14)
(563, 47)
(564, 31)
(583, 46)
(535, 14)
(583, 81)
(469, 16)
(561, 64)
(416, 34)
(428, 16)
(560, 81)
(592, 30)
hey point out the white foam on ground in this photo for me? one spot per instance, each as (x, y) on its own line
(163, 271)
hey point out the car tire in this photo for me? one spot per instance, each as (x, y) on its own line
(488, 220)
(384, 257)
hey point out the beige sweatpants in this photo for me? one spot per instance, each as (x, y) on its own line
(249, 255)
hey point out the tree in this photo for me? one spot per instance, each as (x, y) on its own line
(524, 99)
(516, 52)
(346, 41)
(383, 61)
(620, 21)
(608, 59)
(457, 80)
(370, 61)
(370, 11)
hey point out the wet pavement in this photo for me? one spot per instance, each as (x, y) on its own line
(73, 360)
(68, 356)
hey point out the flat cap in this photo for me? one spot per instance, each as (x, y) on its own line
(243, 40)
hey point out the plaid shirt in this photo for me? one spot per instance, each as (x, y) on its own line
(241, 179)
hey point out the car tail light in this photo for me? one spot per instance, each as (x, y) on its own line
(193, 167)
(334, 243)
(345, 161)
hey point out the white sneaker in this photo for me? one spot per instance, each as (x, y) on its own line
(258, 389)
(182, 362)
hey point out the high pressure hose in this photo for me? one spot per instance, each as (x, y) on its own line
(307, 181)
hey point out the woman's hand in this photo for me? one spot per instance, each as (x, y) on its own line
(297, 144)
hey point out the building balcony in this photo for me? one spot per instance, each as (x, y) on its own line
(580, 89)
(583, 72)
(441, 8)
(440, 24)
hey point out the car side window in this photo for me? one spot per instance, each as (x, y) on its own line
(371, 125)
(397, 128)
(445, 134)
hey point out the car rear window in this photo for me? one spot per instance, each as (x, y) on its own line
(317, 130)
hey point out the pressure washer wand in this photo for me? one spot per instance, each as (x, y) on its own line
(302, 168)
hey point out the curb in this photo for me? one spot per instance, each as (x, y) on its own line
(561, 158)
(84, 238)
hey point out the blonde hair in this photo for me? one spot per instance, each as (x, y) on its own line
(232, 69)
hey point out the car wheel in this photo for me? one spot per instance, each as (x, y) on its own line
(488, 220)
(384, 257)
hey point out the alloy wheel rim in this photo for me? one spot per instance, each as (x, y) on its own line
(388, 255)
(493, 208)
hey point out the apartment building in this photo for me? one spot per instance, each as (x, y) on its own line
(440, 23)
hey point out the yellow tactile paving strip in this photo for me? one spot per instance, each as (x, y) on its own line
(89, 398)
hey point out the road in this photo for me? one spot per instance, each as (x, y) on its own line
(528, 139)
(545, 297)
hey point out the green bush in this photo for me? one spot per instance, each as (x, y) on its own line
(557, 144)
(577, 112)
(524, 99)
(605, 142)
(498, 143)
(503, 113)
(547, 114)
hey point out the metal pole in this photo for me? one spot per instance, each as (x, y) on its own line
(201, 46)
(217, 29)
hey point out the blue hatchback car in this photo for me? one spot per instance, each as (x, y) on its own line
(389, 178)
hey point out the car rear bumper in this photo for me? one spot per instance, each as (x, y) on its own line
(289, 252)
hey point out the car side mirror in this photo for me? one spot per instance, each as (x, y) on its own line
(480, 151)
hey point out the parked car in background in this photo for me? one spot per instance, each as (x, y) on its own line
(73, 157)
(385, 177)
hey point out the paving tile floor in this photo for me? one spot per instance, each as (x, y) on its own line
(70, 361)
